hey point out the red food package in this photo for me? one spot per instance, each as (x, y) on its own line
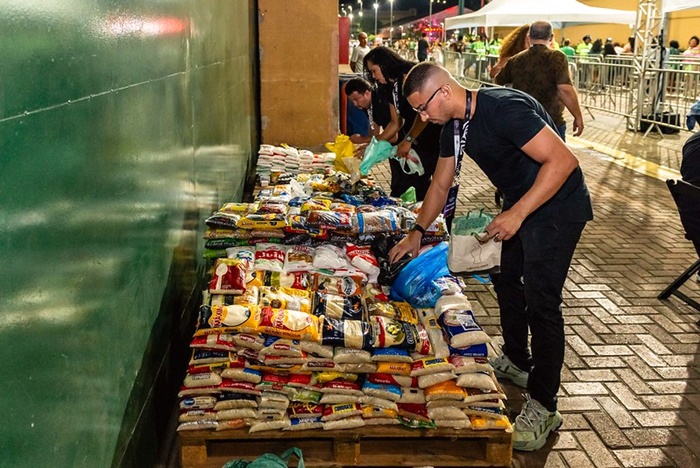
(229, 276)
(414, 411)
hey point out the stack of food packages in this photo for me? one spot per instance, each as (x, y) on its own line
(296, 332)
(273, 160)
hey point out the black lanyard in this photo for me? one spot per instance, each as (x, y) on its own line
(395, 94)
(460, 134)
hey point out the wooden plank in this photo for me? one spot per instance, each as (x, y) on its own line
(377, 446)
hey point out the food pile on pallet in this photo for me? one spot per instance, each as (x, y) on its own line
(307, 325)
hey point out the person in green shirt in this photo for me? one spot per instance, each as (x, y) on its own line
(584, 47)
(568, 50)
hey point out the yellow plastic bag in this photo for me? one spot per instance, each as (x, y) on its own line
(343, 148)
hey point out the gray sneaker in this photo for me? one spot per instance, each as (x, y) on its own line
(505, 369)
(533, 425)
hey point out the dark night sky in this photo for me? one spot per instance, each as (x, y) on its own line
(422, 6)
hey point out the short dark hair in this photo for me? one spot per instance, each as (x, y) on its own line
(567, 42)
(359, 85)
(674, 44)
(418, 75)
(540, 30)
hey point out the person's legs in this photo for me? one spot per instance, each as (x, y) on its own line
(508, 285)
(547, 252)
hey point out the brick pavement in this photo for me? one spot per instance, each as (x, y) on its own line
(630, 392)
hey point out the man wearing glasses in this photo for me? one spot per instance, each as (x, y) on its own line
(546, 206)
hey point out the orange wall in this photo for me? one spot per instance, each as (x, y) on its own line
(298, 71)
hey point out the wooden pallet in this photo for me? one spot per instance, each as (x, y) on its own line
(368, 446)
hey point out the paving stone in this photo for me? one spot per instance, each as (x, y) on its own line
(573, 422)
(652, 437)
(649, 356)
(625, 396)
(642, 369)
(658, 418)
(565, 440)
(671, 387)
(577, 458)
(655, 402)
(595, 375)
(671, 373)
(607, 430)
(643, 458)
(617, 412)
(604, 362)
(615, 350)
(595, 449)
(681, 456)
(579, 346)
(586, 334)
(633, 381)
(689, 439)
(585, 388)
(577, 403)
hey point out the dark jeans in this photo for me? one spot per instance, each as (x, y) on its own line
(534, 264)
(561, 129)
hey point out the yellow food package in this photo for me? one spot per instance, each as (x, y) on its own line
(394, 368)
(292, 324)
(343, 148)
(226, 319)
(285, 298)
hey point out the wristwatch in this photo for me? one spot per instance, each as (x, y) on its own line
(419, 228)
(409, 139)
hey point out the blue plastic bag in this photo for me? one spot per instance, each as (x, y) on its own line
(415, 283)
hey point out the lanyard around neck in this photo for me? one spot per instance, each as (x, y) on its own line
(461, 129)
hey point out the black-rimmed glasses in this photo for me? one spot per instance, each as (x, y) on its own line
(422, 109)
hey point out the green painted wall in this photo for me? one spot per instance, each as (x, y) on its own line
(123, 123)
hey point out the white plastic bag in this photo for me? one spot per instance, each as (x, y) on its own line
(468, 252)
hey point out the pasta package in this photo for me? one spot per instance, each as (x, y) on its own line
(290, 324)
(263, 221)
(394, 333)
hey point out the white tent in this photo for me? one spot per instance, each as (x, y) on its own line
(560, 12)
(675, 5)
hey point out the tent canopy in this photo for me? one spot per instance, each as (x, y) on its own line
(675, 5)
(561, 12)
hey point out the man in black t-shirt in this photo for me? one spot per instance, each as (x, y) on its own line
(690, 164)
(423, 47)
(363, 96)
(546, 206)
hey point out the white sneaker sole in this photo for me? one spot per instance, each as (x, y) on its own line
(538, 443)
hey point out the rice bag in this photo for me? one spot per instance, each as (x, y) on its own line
(480, 380)
(304, 424)
(229, 276)
(197, 425)
(388, 379)
(273, 400)
(351, 356)
(444, 391)
(290, 324)
(371, 412)
(246, 254)
(285, 298)
(221, 342)
(323, 377)
(270, 257)
(343, 387)
(391, 355)
(295, 280)
(198, 402)
(429, 380)
(230, 424)
(273, 360)
(453, 302)
(345, 423)
(270, 425)
(237, 413)
(224, 319)
(412, 395)
(480, 350)
(347, 333)
(446, 412)
(226, 401)
(305, 410)
(405, 312)
(307, 396)
(306, 381)
(248, 340)
(315, 204)
(388, 392)
(362, 258)
(460, 326)
(338, 307)
(486, 412)
(394, 368)
(414, 411)
(394, 333)
(281, 347)
(204, 379)
(336, 412)
(463, 364)
(339, 399)
(200, 357)
(317, 349)
(431, 366)
(480, 423)
(330, 257)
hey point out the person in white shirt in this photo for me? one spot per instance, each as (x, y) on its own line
(358, 54)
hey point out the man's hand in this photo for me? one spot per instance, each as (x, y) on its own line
(578, 126)
(408, 245)
(504, 226)
(403, 148)
(357, 138)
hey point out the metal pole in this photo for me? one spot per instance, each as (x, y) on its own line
(391, 21)
(430, 15)
(376, 7)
